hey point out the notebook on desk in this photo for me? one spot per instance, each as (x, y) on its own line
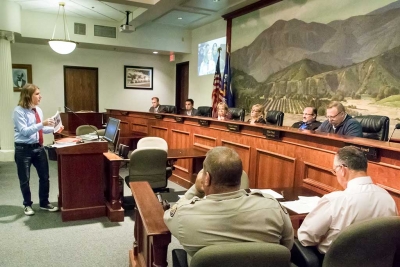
(303, 205)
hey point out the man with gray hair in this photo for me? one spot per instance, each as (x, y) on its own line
(339, 122)
(361, 200)
(215, 210)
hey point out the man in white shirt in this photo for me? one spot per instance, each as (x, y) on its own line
(361, 200)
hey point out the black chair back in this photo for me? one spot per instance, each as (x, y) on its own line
(237, 114)
(204, 111)
(168, 109)
(374, 126)
(275, 117)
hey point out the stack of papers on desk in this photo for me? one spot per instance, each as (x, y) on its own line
(89, 137)
(269, 192)
(303, 205)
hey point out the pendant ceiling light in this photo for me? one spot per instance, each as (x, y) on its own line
(62, 46)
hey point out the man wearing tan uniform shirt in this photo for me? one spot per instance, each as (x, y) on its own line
(215, 210)
(361, 200)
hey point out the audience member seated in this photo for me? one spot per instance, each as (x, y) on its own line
(215, 210)
(309, 121)
(223, 113)
(361, 200)
(257, 114)
(339, 122)
(155, 105)
(189, 109)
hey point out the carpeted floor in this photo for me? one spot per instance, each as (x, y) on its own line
(44, 240)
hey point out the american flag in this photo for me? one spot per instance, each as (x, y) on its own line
(218, 94)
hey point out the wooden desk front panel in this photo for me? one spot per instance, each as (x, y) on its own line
(299, 158)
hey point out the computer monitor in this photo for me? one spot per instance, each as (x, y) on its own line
(111, 131)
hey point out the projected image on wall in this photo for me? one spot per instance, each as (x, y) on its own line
(208, 56)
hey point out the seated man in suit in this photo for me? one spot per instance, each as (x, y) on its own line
(339, 122)
(309, 121)
(189, 109)
(361, 200)
(215, 210)
(155, 106)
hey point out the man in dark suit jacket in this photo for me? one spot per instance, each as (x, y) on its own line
(189, 109)
(309, 121)
(155, 106)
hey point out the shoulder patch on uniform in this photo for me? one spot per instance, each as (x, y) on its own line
(256, 193)
(173, 210)
(194, 199)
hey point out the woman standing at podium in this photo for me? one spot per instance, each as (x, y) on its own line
(29, 128)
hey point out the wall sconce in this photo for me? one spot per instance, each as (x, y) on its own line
(62, 46)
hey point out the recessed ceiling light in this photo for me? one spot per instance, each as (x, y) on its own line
(215, 1)
(179, 18)
(155, 52)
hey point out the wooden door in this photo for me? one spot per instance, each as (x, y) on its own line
(81, 88)
(182, 85)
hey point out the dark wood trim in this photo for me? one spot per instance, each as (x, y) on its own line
(228, 34)
(250, 8)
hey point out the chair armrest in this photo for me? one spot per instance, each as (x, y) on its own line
(304, 256)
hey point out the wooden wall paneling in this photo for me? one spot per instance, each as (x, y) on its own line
(274, 170)
(320, 177)
(181, 139)
(159, 131)
(384, 175)
(139, 125)
(243, 151)
(204, 141)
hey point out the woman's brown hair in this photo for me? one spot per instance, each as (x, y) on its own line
(25, 98)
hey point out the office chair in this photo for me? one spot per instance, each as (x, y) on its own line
(237, 114)
(149, 163)
(241, 254)
(275, 117)
(374, 126)
(371, 243)
(85, 129)
(204, 111)
(168, 109)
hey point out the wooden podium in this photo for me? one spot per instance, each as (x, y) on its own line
(81, 181)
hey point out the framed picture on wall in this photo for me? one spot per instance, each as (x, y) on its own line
(21, 75)
(138, 77)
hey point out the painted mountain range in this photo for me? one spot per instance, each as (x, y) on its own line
(337, 44)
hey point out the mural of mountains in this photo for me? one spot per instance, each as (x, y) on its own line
(305, 80)
(338, 44)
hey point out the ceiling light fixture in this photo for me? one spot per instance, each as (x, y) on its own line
(62, 46)
(155, 52)
(179, 18)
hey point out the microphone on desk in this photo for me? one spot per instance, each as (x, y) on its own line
(85, 122)
(395, 128)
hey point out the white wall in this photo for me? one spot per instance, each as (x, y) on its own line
(200, 87)
(152, 36)
(47, 72)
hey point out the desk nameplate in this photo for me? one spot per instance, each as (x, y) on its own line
(204, 122)
(272, 134)
(233, 127)
(179, 119)
(372, 153)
